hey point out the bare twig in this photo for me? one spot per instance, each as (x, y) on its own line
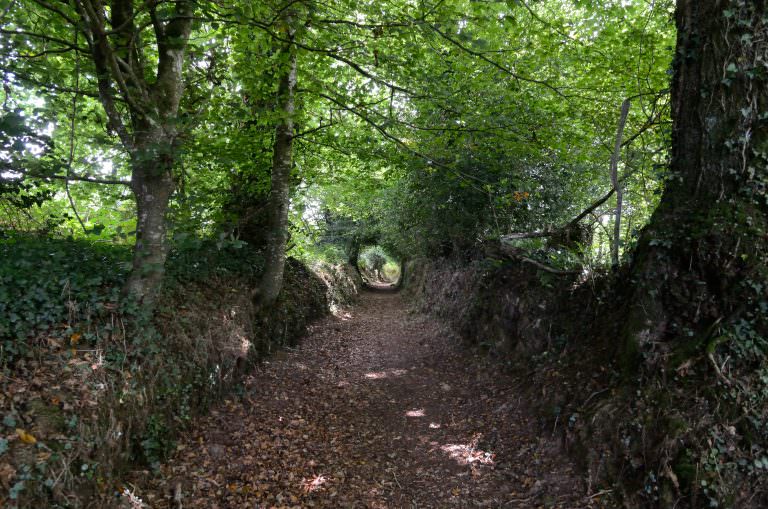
(717, 369)
(599, 494)
(72, 127)
(394, 474)
(596, 393)
(615, 182)
(572, 223)
(547, 268)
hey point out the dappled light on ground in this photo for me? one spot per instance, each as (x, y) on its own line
(314, 483)
(374, 409)
(377, 375)
(466, 454)
(344, 316)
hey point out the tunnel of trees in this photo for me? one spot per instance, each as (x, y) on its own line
(619, 144)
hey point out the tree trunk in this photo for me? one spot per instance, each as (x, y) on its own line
(401, 280)
(146, 120)
(706, 241)
(279, 198)
(353, 253)
(152, 185)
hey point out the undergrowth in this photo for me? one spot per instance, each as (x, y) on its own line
(93, 387)
(686, 429)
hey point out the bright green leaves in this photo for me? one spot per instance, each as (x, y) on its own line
(413, 114)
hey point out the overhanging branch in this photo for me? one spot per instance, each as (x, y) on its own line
(71, 178)
(382, 130)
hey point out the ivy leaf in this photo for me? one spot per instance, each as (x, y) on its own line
(96, 230)
(9, 420)
(17, 488)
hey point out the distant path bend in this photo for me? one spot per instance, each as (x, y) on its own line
(376, 409)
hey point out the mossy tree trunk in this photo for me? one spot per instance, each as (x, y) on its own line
(701, 262)
(153, 183)
(141, 101)
(282, 162)
(353, 252)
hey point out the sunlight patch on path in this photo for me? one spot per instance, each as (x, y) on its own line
(378, 375)
(469, 454)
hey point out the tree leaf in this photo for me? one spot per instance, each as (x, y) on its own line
(25, 437)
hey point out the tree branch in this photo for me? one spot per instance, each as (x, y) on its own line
(527, 235)
(172, 40)
(72, 177)
(570, 224)
(103, 54)
(47, 6)
(72, 127)
(547, 268)
(332, 54)
(495, 64)
(313, 130)
(357, 67)
(126, 23)
(62, 42)
(107, 98)
(514, 253)
(401, 143)
(369, 26)
(615, 182)
(590, 209)
(50, 86)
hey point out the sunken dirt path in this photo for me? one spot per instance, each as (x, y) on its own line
(376, 409)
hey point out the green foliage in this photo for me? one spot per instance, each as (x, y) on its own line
(156, 444)
(153, 374)
(509, 127)
(50, 283)
(379, 264)
(195, 260)
(373, 258)
(473, 119)
(330, 253)
(738, 450)
(425, 130)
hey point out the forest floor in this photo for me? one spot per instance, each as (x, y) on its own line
(377, 408)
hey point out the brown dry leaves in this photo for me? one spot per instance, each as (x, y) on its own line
(375, 409)
(41, 401)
